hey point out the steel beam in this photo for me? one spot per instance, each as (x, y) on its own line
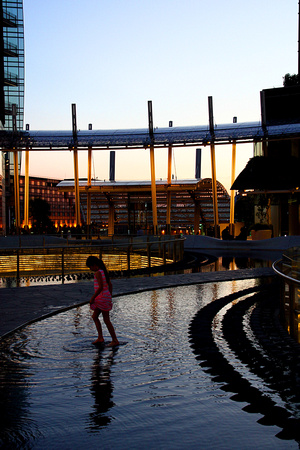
(169, 180)
(232, 192)
(213, 167)
(17, 191)
(16, 173)
(89, 184)
(152, 168)
(26, 191)
(75, 156)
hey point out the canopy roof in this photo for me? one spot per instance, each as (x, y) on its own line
(269, 174)
(140, 138)
(189, 185)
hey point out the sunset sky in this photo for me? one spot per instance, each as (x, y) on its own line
(111, 56)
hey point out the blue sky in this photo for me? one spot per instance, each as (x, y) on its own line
(111, 56)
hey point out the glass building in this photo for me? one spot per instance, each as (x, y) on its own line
(12, 63)
(11, 92)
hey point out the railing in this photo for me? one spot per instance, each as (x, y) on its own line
(125, 256)
(11, 78)
(9, 19)
(288, 269)
(9, 47)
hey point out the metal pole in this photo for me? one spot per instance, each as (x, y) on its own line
(75, 154)
(17, 190)
(16, 173)
(169, 200)
(231, 225)
(153, 191)
(213, 167)
(111, 218)
(76, 185)
(152, 168)
(62, 265)
(89, 183)
(26, 191)
(18, 265)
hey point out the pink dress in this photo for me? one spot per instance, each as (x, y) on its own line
(103, 300)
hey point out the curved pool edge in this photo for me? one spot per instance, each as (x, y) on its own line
(45, 301)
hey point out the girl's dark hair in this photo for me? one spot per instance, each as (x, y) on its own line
(94, 261)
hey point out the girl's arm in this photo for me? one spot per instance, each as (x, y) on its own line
(100, 288)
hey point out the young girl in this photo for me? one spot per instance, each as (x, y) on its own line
(101, 302)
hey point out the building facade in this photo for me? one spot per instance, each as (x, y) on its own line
(11, 93)
(61, 204)
(126, 207)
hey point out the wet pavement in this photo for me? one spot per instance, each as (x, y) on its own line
(20, 306)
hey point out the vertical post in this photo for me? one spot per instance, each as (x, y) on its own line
(149, 254)
(264, 122)
(16, 173)
(62, 265)
(17, 191)
(197, 216)
(88, 197)
(76, 187)
(169, 200)
(231, 225)
(152, 168)
(198, 164)
(129, 249)
(75, 155)
(111, 218)
(18, 265)
(26, 191)
(213, 167)
(112, 165)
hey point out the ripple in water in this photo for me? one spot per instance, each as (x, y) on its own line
(59, 391)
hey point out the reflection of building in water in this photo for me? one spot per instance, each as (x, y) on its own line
(171, 303)
(154, 309)
(101, 389)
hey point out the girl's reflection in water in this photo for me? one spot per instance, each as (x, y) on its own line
(101, 388)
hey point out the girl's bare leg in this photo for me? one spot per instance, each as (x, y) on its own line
(95, 317)
(110, 328)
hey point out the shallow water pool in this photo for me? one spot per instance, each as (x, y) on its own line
(59, 391)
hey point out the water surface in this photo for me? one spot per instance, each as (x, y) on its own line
(59, 391)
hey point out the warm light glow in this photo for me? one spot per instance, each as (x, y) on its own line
(45, 264)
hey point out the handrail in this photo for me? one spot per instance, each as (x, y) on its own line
(101, 242)
(123, 257)
(9, 46)
(10, 17)
(290, 300)
(281, 274)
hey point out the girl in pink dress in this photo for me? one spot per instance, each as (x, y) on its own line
(101, 302)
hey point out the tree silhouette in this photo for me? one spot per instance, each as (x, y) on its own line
(291, 80)
(40, 212)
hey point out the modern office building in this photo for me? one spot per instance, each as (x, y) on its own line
(272, 176)
(11, 93)
(61, 204)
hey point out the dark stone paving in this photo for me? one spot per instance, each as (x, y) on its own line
(19, 306)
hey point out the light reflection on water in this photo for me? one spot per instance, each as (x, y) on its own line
(59, 391)
(221, 263)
